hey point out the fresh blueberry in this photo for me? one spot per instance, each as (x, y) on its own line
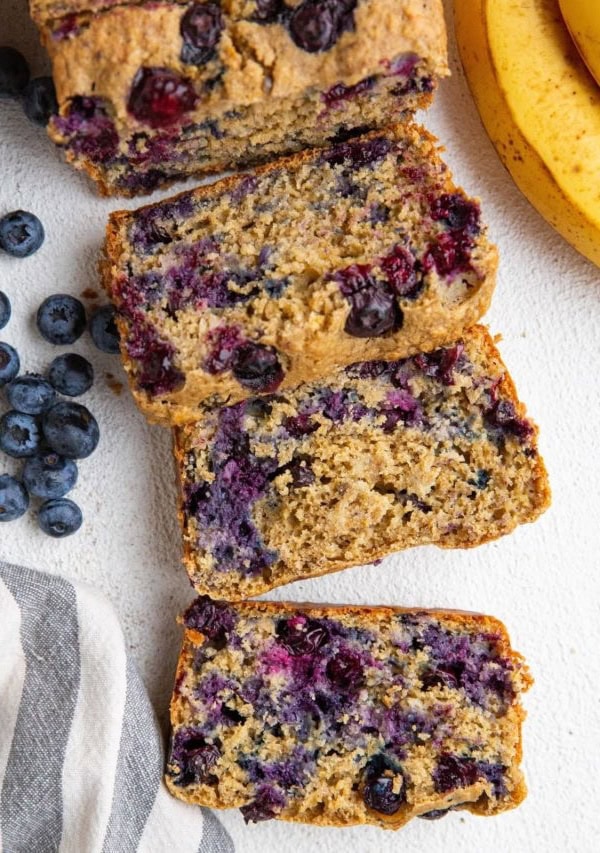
(200, 28)
(159, 97)
(49, 475)
(71, 430)
(14, 72)
(39, 100)
(21, 233)
(103, 329)
(20, 434)
(71, 374)
(61, 319)
(9, 363)
(14, 500)
(257, 368)
(31, 394)
(5, 310)
(59, 518)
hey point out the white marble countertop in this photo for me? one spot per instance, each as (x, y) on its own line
(543, 581)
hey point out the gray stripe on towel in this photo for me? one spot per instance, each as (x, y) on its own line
(31, 797)
(215, 838)
(139, 769)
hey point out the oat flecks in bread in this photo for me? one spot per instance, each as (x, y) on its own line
(152, 92)
(259, 282)
(373, 459)
(346, 715)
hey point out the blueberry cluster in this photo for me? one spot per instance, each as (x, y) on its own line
(47, 432)
(37, 95)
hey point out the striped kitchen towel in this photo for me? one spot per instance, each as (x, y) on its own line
(81, 752)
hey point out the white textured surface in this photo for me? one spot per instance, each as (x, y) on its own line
(542, 581)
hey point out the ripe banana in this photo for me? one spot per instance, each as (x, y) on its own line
(540, 108)
(582, 18)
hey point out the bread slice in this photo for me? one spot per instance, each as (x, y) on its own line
(257, 283)
(152, 92)
(378, 457)
(346, 715)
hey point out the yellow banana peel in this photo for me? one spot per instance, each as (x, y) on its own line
(540, 107)
(582, 18)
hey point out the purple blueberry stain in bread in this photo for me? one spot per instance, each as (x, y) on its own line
(456, 661)
(345, 671)
(441, 363)
(402, 66)
(337, 95)
(452, 772)
(449, 254)
(358, 153)
(267, 804)
(450, 251)
(89, 129)
(214, 618)
(378, 213)
(223, 508)
(402, 273)
(457, 212)
(301, 471)
(434, 814)
(160, 97)
(68, 27)
(503, 415)
(401, 407)
(246, 185)
(201, 28)
(223, 343)
(155, 358)
(298, 426)
(150, 228)
(192, 757)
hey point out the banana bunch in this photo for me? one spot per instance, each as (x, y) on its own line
(582, 17)
(540, 107)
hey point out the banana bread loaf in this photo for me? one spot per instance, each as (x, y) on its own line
(363, 250)
(378, 457)
(348, 715)
(149, 92)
